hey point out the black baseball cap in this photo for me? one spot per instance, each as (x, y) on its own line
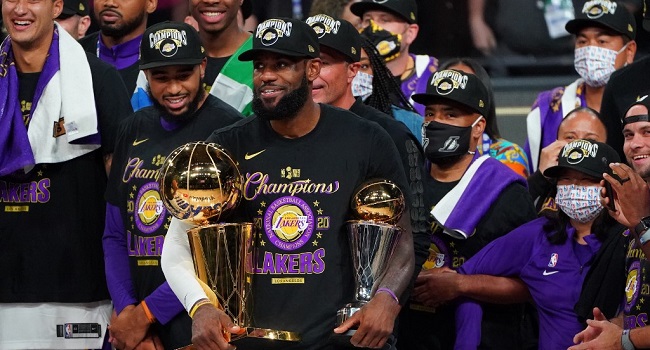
(643, 101)
(74, 7)
(283, 36)
(407, 9)
(454, 85)
(604, 13)
(169, 44)
(586, 156)
(337, 34)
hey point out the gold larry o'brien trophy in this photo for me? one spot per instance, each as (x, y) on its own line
(201, 183)
(377, 206)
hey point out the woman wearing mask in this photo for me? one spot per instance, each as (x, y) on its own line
(604, 33)
(570, 263)
(375, 85)
(493, 144)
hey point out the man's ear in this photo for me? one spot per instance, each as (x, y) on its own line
(353, 69)
(313, 68)
(82, 27)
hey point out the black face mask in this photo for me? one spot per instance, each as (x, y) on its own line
(388, 44)
(442, 141)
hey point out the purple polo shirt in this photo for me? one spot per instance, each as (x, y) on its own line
(554, 275)
(122, 55)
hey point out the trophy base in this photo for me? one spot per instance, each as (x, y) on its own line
(259, 338)
(347, 311)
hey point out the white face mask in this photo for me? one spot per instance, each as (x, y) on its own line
(595, 64)
(580, 203)
(362, 85)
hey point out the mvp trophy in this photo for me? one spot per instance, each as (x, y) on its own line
(200, 183)
(377, 206)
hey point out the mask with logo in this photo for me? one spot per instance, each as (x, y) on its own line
(441, 140)
(580, 203)
(595, 64)
(388, 44)
(362, 85)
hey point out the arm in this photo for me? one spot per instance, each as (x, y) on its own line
(437, 287)
(178, 267)
(377, 318)
(482, 35)
(116, 261)
(632, 199)
(603, 334)
(131, 325)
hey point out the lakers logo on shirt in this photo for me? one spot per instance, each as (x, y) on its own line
(289, 223)
(150, 212)
(632, 285)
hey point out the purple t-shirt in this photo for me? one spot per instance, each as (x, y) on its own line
(554, 274)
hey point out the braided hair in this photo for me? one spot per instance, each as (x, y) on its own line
(383, 83)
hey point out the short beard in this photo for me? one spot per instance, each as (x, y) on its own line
(122, 30)
(288, 106)
(183, 117)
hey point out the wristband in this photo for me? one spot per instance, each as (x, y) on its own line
(197, 305)
(626, 342)
(147, 312)
(645, 237)
(390, 292)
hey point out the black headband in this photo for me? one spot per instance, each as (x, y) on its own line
(636, 118)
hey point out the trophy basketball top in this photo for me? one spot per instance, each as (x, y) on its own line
(378, 200)
(200, 182)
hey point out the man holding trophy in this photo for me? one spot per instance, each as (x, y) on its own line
(301, 163)
(174, 62)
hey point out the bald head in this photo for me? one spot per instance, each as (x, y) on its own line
(582, 123)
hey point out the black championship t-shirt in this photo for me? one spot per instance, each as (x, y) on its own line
(637, 288)
(428, 328)
(26, 89)
(297, 194)
(141, 148)
(53, 217)
(212, 70)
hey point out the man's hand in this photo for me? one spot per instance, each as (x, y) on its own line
(129, 328)
(590, 333)
(549, 155)
(208, 327)
(150, 342)
(375, 320)
(436, 286)
(632, 195)
(607, 336)
(482, 36)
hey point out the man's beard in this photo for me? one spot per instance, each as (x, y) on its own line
(287, 107)
(183, 117)
(120, 31)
